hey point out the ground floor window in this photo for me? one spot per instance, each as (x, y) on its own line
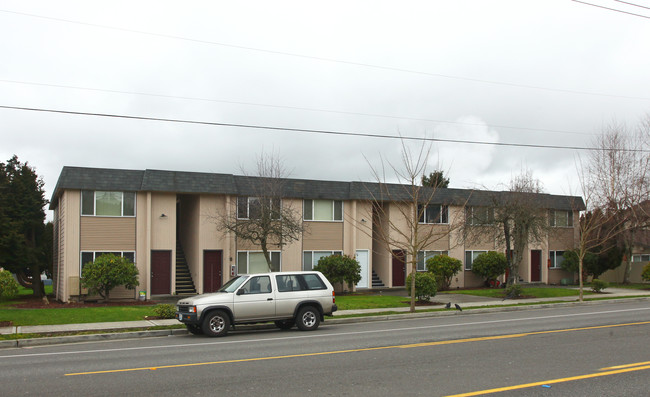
(254, 262)
(556, 258)
(90, 256)
(311, 258)
(641, 258)
(423, 256)
(469, 258)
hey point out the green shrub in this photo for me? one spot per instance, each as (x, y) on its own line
(425, 285)
(513, 291)
(598, 285)
(340, 269)
(165, 310)
(8, 285)
(490, 265)
(646, 273)
(444, 268)
(107, 272)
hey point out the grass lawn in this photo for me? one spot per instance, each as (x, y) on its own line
(355, 302)
(536, 292)
(630, 286)
(75, 315)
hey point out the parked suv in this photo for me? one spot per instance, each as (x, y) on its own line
(288, 299)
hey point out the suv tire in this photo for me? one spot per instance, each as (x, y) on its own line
(216, 323)
(308, 318)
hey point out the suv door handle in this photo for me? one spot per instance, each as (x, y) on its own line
(269, 299)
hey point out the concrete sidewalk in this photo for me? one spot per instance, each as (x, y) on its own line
(465, 301)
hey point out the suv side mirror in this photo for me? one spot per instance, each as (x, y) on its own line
(241, 291)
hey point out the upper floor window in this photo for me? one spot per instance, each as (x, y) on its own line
(480, 215)
(257, 207)
(100, 203)
(423, 256)
(641, 258)
(556, 258)
(559, 218)
(323, 210)
(433, 213)
(470, 256)
(311, 258)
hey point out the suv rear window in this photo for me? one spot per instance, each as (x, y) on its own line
(299, 282)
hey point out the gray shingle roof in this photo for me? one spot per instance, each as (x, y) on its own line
(84, 178)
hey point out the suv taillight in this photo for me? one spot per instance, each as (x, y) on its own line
(333, 297)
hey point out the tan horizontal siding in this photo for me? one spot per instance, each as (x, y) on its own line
(98, 233)
(323, 236)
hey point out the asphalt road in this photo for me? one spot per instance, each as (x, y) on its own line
(589, 350)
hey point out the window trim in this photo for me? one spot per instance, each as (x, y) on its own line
(248, 205)
(248, 252)
(425, 258)
(334, 210)
(443, 214)
(94, 202)
(552, 257)
(553, 216)
(640, 258)
(472, 218)
(465, 265)
(332, 252)
(81, 264)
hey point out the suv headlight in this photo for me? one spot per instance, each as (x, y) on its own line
(191, 309)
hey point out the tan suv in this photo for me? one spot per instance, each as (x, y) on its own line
(300, 298)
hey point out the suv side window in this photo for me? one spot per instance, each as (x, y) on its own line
(312, 281)
(288, 283)
(258, 285)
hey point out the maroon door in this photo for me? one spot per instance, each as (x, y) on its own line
(211, 271)
(161, 269)
(535, 265)
(399, 268)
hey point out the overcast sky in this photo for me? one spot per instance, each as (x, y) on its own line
(551, 72)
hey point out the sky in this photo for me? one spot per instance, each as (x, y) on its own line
(364, 73)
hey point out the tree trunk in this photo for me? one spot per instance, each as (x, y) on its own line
(580, 267)
(628, 263)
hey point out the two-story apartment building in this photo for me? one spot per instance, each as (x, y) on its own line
(164, 221)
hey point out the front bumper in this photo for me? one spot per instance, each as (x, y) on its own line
(187, 318)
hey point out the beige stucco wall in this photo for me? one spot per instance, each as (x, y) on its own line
(323, 236)
(142, 233)
(71, 241)
(163, 229)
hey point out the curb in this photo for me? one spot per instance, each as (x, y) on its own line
(55, 340)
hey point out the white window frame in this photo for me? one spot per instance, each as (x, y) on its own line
(553, 218)
(94, 193)
(443, 214)
(423, 256)
(334, 210)
(320, 252)
(248, 204)
(641, 258)
(98, 253)
(247, 270)
(474, 254)
(490, 215)
(553, 256)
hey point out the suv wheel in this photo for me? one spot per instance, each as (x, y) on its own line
(308, 318)
(216, 323)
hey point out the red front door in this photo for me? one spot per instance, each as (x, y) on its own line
(535, 266)
(399, 268)
(161, 269)
(211, 271)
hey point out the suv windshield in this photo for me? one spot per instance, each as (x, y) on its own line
(233, 284)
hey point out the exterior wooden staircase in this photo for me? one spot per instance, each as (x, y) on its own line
(184, 282)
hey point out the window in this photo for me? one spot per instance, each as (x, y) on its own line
(480, 215)
(433, 213)
(556, 258)
(423, 256)
(641, 258)
(258, 285)
(100, 203)
(469, 258)
(323, 210)
(254, 262)
(559, 218)
(299, 282)
(251, 208)
(90, 256)
(311, 258)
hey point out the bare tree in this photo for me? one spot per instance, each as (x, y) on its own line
(261, 217)
(618, 176)
(514, 218)
(399, 209)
